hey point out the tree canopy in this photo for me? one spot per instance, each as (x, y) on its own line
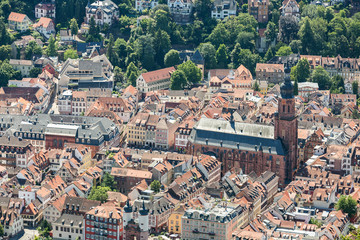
(155, 186)
(178, 80)
(348, 205)
(172, 58)
(99, 193)
(191, 71)
(301, 72)
(322, 77)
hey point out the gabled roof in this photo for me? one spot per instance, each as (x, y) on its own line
(158, 75)
(44, 22)
(16, 17)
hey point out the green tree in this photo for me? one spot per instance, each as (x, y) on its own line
(144, 48)
(284, 51)
(256, 86)
(355, 114)
(270, 53)
(119, 76)
(131, 69)
(44, 229)
(219, 35)
(296, 87)
(121, 49)
(51, 48)
(337, 84)
(354, 234)
(235, 55)
(74, 26)
(203, 10)
(94, 32)
(221, 56)
(270, 32)
(70, 53)
(288, 29)
(307, 37)
(125, 23)
(295, 46)
(172, 58)
(34, 72)
(355, 87)
(110, 53)
(99, 193)
(7, 72)
(162, 46)
(248, 59)
(322, 77)
(208, 51)
(132, 79)
(244, 8)
(191, 71)
(275, 16)
(315, 222)
(246, 40)
(1, 230)
(32, 49)
(178, 80)
(309, 10)
(5, 51)
(155, 186)
(348, 205)
(329, 14)
(108, 181)
(301, 72)
(5, 36)
(162, 19)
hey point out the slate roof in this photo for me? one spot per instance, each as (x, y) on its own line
(241, 136)
(92, 128)
(70, 220)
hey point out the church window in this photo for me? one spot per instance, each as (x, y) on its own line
(283, 108)
(288, 108)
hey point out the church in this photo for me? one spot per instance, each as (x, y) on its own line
(252, 147)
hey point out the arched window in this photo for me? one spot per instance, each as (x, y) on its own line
(55, 143)
(288, 108)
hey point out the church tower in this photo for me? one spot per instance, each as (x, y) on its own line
(286, 125)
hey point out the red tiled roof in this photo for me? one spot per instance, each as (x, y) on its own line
(158, 75)
(45, 22)
(16, 17)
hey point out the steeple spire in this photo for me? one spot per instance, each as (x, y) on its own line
(287, 88)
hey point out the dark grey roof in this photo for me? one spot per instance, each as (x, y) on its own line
(70, 220)
(12, 141)
(96, 67)
(197, 57)
(79, 204)
(241, 136)
(156, 206)
(93, 129)
(225, 4)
